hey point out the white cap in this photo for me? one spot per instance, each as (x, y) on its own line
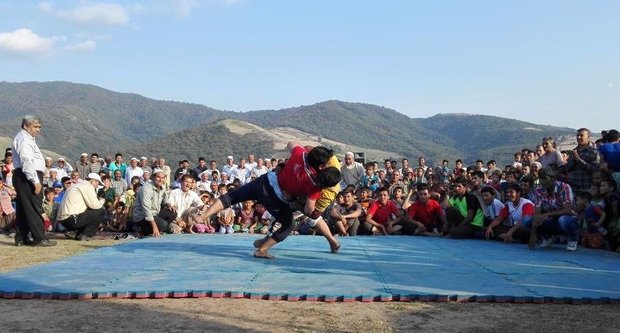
(134, 158)
(61, 159)
(84, 155)
(229, 157)
(94, 175)
(143, 158)
(156, 170)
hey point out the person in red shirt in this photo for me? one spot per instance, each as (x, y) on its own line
(383, 215)
(304, 174)
(424, 216)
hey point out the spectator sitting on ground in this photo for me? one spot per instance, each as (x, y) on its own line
(463, 213)
(515, 218)
(379, 220)
(490, 205)
(245, 218)
(612, 212)
(592, 220)
(345, 216)
(554, 216)
(424, 216)
(148, 213)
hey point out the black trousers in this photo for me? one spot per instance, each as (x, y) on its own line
(162, 220)
(85, 223)
(261, 191)
(28, 206)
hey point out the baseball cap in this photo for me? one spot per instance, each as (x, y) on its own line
(94, 175)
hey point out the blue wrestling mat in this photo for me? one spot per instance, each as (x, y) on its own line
(395, 268)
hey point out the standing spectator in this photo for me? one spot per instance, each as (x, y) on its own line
(229, 165)
(83, 167)
(144, 165)
(95, 163)
(183, 169)
(259, 170)
(582, 162)
(352, 171)
(242, 172)
(48, 171)
(64, 168)
(200, 168)
(251, 162)
(551, 156)
(610, 153)
(161, 165)
(27, 178)
(80, 210)
(117, 165)
(133, 170)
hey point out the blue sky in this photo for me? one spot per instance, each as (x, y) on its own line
(548, 62)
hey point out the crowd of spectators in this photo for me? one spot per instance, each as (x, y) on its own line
(544, 197)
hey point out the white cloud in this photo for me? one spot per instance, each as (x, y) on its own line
(24, 42)
(88, 45)
(184, 7)
(100, 13)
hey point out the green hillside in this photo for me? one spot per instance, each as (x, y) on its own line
(86, 118)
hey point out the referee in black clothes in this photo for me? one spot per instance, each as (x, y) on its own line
(27, 179)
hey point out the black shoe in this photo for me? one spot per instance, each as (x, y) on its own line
(70, 234)
(45, 243)
(19, 241)
(83, 238)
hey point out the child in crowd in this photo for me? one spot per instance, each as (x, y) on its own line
(245, 218)
(226, 219)
(612, 212)
(7, 212)
(398, 197)
(50, 209)
(119, 218)
(591, 218)
(257, 226)
(370, 179)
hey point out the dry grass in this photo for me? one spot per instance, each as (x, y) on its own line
(244, 315)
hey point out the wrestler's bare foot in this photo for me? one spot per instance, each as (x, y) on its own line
(263, 254)
(334, 247)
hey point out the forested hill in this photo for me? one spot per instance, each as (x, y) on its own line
(80, 117)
